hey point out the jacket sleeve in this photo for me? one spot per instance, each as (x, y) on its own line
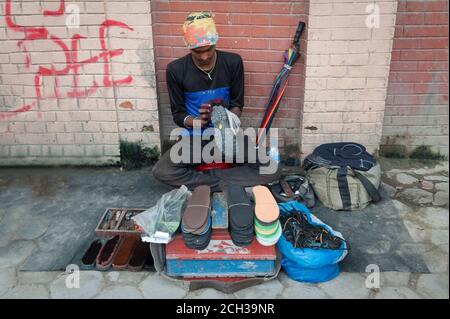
(176, 96)
(237, 86)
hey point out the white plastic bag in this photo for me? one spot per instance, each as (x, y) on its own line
(235, 122)
(161, 221)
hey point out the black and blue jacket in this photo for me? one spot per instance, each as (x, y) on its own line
(189, 87)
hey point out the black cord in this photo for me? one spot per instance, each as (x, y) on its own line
(302, 234)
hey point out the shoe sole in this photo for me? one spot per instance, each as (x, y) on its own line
(266, 207)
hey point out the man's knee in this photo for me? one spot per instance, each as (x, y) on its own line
(169, 174)
(160, 171)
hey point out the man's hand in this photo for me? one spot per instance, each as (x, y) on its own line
(189, 123)
(205, 112)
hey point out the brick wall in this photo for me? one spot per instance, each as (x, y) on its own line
(65, 98)
(417, 101)
(68, 95)
(259, 31)
(347, 68)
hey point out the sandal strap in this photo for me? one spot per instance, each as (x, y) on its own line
(286, 188)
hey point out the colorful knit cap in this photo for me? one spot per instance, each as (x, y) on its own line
(199, 30)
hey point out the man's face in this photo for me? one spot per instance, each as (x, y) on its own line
(204, 56)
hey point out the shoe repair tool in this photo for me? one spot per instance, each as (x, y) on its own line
(108, 225)
(106, 221)
(302, 234)
(127, 223)
(115, 217)
(290, 57)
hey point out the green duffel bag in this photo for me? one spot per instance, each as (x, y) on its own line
(343, 175)
(324, 182)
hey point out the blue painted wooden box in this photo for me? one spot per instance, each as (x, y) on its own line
(220, 259)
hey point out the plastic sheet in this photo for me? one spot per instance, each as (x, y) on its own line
(308, 264)
(161, 221)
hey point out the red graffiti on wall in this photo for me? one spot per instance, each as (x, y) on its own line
(71, 63)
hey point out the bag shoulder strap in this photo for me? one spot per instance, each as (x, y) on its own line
(370, 188)
(344, 191)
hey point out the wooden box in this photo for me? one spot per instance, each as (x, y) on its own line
(220, 259)
(121, 225)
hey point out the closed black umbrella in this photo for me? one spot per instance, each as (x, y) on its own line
(291, 55)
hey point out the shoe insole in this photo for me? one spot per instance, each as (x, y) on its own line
(239, 207)
(198, 208)
(200, 230)
(267, 232)
(266, 208)
(269, 242)
(266, 227)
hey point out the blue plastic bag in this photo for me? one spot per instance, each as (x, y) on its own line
(308, 264)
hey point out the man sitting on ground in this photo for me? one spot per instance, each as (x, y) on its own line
(194, 80)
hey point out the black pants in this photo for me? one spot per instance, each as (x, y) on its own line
(177, 174)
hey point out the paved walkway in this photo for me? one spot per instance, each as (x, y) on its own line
(420, 193)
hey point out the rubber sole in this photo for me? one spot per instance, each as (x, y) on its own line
(198, 209)
(272, 242)
(268, 234)
(266, 228)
